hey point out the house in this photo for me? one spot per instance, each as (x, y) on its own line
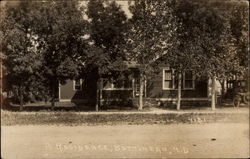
(162, 88)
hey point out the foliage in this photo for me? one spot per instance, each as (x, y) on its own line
(23, 60)
(107, 25)
(44, 43)
(152, 32)
(237, 15)
(50, 42)
(207, 40)
(62, 37)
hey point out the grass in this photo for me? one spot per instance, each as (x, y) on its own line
(77, 118)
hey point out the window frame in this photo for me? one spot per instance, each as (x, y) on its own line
(172, 76)
(184, 81)
(74, 85)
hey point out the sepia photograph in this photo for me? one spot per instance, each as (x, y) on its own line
(111, 79)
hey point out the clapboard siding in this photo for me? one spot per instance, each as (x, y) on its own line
(66, 90)
(86, 95)
(155, 88)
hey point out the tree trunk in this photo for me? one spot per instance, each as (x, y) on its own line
(213, 94)
(45, 99)
(97, 97)
(145, 87)
(97, 101)
(178, 106)
(53, 98)
(223, 88)
(226, 84)
(141, 93)
(21, 98)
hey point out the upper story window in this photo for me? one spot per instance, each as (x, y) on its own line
(77, 85)
(188, 80)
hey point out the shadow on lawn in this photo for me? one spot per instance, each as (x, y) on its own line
(111, 108)
(58, 107)
(38, 108)
(200, 107)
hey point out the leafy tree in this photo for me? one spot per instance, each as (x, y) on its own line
(45, 40)
(107, 25)
(62, 37)
(151, 35)
(206, 34)
(198, 37)
(23, 60)
(237, 14)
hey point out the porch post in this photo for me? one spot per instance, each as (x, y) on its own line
(101, 87)
(97, 96)
(145, 88)
(133, 87)
(179, 92)
(213, 93)
(59, 91)
(141, 93)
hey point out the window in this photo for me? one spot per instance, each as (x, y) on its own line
(188, 80)
(77, 85)
(168, 79)
(171, 82)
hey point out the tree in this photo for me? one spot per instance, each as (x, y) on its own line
(62, 35)
(237, 14)
(107, 25)
(203, 42)
(151, 35)
(206, 31)
(46, 40)
(23, 59)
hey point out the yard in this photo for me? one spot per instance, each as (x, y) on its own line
(68, 115)
(152, 133)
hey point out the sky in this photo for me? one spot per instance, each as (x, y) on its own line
(124, 5)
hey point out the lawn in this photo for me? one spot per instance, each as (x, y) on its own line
(72, 117)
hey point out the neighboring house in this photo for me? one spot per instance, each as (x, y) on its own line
(162, 87)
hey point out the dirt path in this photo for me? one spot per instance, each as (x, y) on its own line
(127, 141)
